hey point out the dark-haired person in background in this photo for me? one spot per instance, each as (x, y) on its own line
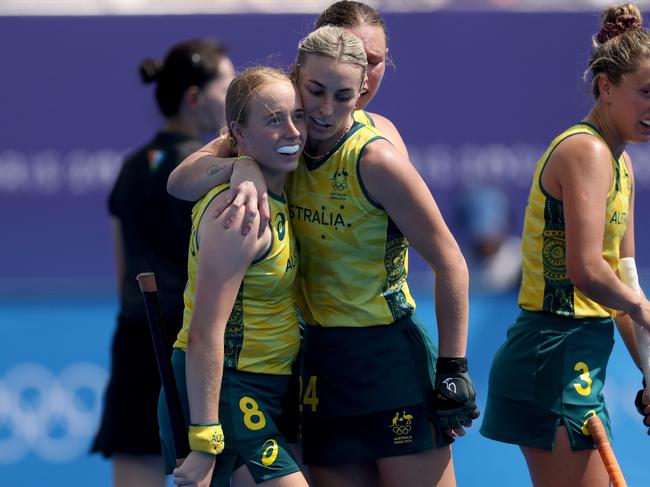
(547, 379)
(151, 232)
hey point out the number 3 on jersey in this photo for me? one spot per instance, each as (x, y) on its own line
(310, 397)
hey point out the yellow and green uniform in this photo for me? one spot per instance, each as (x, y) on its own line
(551, 370)
(545, 284)
(261, 343)
(373, 401)
(363, 117)
(354, 258)
(262, 333)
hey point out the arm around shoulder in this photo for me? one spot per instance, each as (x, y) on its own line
(201, 171)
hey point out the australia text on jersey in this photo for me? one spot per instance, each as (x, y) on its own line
(322, 217)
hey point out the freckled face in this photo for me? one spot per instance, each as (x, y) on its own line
(275, 132)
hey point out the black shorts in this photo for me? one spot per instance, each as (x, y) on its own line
(129, 424)
(367, 392)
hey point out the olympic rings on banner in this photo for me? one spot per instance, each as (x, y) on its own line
(50, 416)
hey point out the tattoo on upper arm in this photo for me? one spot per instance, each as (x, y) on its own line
(212, 170)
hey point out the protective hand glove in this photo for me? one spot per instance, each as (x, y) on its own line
(455, 399)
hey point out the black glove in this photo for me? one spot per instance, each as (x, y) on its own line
(455, 399)
(640, 406)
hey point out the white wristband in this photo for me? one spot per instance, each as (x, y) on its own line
(627, 271)
(629, 275)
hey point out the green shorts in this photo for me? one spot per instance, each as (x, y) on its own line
(549, 372)
(367, 393)
(249, 405)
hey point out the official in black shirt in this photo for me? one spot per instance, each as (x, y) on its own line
(151, 231)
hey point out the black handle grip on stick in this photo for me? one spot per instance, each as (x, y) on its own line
(147, 282)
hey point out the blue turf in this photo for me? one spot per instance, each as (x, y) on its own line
(55, 334)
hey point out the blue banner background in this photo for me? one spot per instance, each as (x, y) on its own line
(477, 96)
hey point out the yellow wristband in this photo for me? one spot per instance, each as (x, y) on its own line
(207, 438)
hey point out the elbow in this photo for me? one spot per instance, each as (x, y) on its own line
(452, 264)
(460, 265)
(581, 275)
(192, 339)
(197, 336)
(174, 185)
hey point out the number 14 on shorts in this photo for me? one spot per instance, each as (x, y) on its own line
(310, 396)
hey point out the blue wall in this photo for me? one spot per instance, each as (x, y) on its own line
(477, 96)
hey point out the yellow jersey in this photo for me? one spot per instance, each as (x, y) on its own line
(363, 117)
(545, 285)
(354, 259)
(262, 334)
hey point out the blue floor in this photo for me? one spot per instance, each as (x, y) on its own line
(56, 356)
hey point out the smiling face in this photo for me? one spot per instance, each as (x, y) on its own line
(374, 43)
(329, 89)
(629, 103)
(275, 128)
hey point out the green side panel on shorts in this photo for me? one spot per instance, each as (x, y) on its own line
(396, 269)
(558, 289)
(234, 334)
(263, 450)
(550, 372)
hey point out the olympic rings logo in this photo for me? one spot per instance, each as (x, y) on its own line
(339, 185)
(51, 416)
(402, 429)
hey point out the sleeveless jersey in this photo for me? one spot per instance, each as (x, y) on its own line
(353, 257)
(363, 117)
(262, 333)
(545, 285)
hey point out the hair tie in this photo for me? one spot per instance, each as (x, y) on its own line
(621, 24)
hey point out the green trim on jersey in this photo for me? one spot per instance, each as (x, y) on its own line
(558, 289)
(394, 262)
(354, 258)
(234, 333)
(363, 186)
(363, 117)
(314, 164)
(261, 334)
(545, 284)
